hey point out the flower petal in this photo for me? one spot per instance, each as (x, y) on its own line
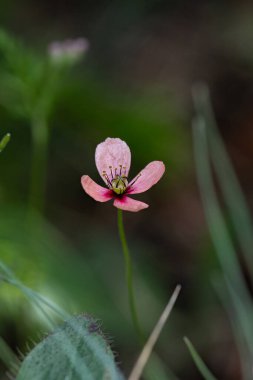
(110, 156)
(97, 192)
(129, 204)
(148, 177)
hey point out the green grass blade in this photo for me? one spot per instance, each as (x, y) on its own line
(228, 181)
(205, 372)
(7, 356)
(238, 329)
(218, 230)
(221, 240)
(34, 297)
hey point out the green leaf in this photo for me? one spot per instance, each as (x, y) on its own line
(76, 350)
(4, 141)
(205, 372)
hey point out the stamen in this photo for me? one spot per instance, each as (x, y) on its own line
(110, 167)
(120, 169)
(105, 175)
(138, 176)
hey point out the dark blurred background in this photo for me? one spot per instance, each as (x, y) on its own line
(134, 83)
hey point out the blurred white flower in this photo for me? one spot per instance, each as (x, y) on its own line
(68, 51)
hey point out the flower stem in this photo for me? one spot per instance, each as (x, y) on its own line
(129, 275)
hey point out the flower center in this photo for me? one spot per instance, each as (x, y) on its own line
(119, 184)
(116, 179)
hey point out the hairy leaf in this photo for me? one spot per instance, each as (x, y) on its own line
(76, 350)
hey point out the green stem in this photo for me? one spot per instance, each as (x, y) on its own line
(39, 129)
(129, 275)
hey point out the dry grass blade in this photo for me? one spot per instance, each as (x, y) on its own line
(148, 348)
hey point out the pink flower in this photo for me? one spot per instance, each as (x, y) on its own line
(113, 160)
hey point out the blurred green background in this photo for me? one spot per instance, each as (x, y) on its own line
(134, 82)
